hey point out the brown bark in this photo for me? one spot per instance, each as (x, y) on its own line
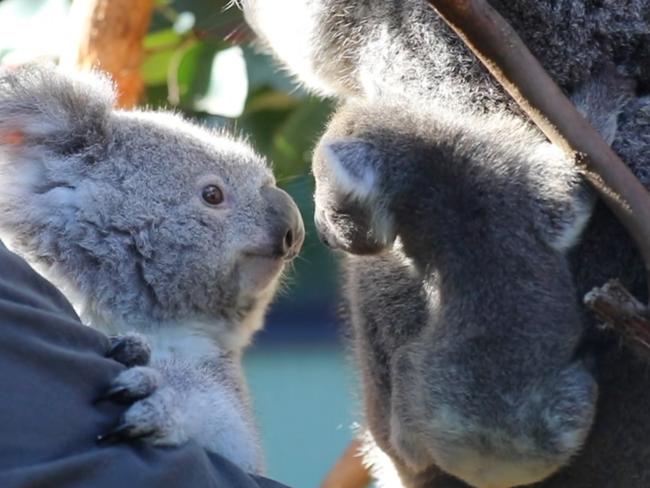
(110, 37)
(623, 313)
(505, 55)
(349, 471)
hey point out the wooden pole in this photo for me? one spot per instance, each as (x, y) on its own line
(349, 471)
(108, 35)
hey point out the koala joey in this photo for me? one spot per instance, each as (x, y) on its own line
(462, 304)
(149, 224)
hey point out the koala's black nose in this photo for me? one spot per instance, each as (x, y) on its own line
(288, 241)
(286, 222)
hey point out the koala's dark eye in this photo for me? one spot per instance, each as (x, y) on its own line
(212, 195)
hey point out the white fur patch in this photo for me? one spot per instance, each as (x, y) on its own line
(285, 24)
(354, 177)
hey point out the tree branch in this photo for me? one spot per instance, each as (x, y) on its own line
(505, 55)
(110, 37)
(620, 311)
(349, 471)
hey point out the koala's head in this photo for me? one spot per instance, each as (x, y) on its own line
(141, 216)
(384, 171)
(364, 168)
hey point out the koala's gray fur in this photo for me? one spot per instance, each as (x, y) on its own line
(467, 329)
(108, 205)
(402, 48)
(398, 56)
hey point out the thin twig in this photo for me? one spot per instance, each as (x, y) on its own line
(620, 311)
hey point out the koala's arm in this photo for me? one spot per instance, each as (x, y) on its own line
(563, 200)
(175, 400)
(213, 409)
(53, 370)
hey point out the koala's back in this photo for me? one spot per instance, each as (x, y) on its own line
(388, 307)
(388, 298)
(573, 39)
(404, 48)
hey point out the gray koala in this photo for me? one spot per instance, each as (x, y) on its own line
(463, 309)
(150, 224)
(399, 57)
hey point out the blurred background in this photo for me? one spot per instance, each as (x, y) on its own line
(198, 57)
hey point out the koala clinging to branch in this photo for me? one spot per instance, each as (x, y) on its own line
(464, 317)
(150, 224)
(402, 50)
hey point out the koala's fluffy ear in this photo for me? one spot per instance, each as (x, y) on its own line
(52, 127)
(43, 109)
(354, 166)
(359, 210)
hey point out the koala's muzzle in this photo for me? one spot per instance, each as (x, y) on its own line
(348, 229)
(287, 228)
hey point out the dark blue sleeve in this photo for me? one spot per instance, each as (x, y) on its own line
(51, 370)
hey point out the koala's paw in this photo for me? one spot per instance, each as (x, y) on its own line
(130, 349)
(155, 416)
(133, 384)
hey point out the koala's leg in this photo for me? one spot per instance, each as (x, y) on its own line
(407, 412)
(487, 441)
(559, 414)
(564, 201)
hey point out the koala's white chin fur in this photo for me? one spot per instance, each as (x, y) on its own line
(259, 272)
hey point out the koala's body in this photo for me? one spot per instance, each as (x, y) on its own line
(462, 304)
(150, 224)
(398, 57)
(403, 49)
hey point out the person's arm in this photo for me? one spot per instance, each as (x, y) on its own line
(52, 368)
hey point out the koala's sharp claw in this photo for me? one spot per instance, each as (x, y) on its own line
(120, 394)
(122, 432)
(119, 433)
(131, 385)
(115, 393)
(130, 349)
(117, 347)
